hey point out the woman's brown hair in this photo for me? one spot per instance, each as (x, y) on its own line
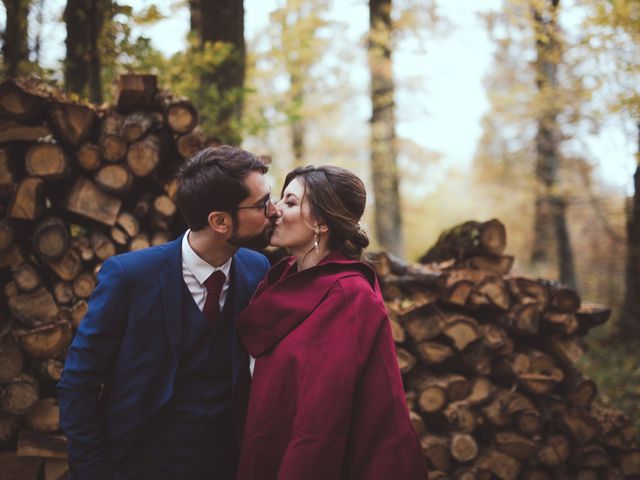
(337, 198)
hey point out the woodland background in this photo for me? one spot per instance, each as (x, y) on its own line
(561, 73)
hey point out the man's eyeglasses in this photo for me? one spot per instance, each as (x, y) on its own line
(265, 205)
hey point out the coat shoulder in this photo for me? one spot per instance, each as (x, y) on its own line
(141, 264)
(253, 259)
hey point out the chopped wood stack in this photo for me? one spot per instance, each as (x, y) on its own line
(78, 184)
(489, 365)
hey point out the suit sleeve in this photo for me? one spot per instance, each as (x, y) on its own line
(88, 361)
(326, 388)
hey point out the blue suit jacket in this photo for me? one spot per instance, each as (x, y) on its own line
(121, 365)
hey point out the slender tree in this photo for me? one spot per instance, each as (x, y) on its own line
(612, 29)
(297, 48)
(85, 20)
(221, 24)
(630, 319)
(550, 226)
(384, 167)
(15, 47)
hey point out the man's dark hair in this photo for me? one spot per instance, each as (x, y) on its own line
(213, 180)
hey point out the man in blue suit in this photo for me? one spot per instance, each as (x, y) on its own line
(148, 382)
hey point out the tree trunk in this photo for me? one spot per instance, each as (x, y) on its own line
(15, 48)
(298, 127)
(383, 136)
(85, 21)
(629, 323)
(223, 21)
(550, 209)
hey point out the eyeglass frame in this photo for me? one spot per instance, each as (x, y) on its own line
(265, 208)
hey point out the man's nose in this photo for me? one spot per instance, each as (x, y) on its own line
(274, 211)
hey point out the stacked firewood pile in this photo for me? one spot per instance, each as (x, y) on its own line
(489, 365)
(78, 183)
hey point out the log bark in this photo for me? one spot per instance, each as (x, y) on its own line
(55, 469)
(26, 278)
(499, 464)
(13, 467)
(63, 292)
(8, 431)
(51, 238)
(139, 123)
(78, 311)
(180, 115)
(20, 104)
(7, 177)
(11, 359)
(463, 447)
(468, 240)
(143, 156)
(68, 267)
(34, 308)
(45, 417)
(19, 396)
(87, 200)
(406, 361)
(113, 147)
(83, 285)
(191, 143)
(136, 92)
(102, 246)
(11, 131)
(72, 123)
(114, 178)
(37, 444)
(46, 341)
(28, 200)
(88, 157)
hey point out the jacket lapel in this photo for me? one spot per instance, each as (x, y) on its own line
(171, 281)
(240, 292)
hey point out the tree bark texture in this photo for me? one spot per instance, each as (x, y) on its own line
(85, 21)
(630, 318)
(550, 210)
(15, 47)
(384, 168)
(223, 21)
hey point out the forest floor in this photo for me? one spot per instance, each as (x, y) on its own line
(615, 367)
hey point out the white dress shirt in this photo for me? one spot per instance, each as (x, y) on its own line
(195, 271)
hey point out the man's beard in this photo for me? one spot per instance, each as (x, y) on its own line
(254, 242)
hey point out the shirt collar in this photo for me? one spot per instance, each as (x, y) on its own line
(201, 269)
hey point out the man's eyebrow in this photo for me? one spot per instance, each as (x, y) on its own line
(261, 200)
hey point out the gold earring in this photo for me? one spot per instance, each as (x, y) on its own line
(315, 241)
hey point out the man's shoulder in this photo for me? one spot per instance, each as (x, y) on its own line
(251, 257)
(145, 262)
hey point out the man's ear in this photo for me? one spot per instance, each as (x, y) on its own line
(220, 222)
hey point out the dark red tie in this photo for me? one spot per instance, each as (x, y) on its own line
(214, 285)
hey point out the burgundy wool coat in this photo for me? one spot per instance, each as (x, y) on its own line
(326, 401)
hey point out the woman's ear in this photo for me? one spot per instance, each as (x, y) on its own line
(322, 228)
(220, 222)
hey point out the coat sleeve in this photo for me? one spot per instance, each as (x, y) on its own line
(88, 361)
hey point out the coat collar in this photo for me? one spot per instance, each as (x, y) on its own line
(287, 297)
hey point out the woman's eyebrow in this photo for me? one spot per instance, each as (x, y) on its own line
(286, 197)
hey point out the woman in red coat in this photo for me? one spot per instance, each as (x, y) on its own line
(326, 397)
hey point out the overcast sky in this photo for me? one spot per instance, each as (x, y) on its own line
(442, 116)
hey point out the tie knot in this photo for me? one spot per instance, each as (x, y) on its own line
(214, 283)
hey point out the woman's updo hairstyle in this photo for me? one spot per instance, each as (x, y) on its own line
(337, 198)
